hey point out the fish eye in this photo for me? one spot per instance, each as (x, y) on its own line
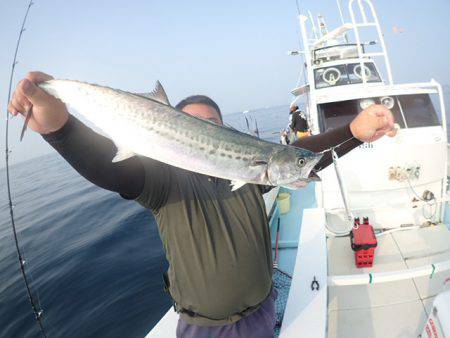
(301, 162)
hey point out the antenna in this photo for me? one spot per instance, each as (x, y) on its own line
(313, 25)
(322, 26)
(36, 310)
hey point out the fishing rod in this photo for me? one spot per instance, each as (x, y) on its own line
(298, 7)
(36, 310)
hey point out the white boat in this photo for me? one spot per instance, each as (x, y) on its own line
(399, 184)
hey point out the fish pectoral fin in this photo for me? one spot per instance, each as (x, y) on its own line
(235, 184)
(122, 154)
(158, 94)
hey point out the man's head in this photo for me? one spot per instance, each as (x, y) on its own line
(201, 106)
(293, 109)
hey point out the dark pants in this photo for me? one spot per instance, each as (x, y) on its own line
(259, 324)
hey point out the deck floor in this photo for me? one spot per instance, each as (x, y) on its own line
(395, 309)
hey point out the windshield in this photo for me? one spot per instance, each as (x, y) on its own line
(345, 74)
(410, 111)
(339, 52)
(419, 110)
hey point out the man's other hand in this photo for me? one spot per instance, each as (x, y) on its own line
(372, 123)
(48, 113)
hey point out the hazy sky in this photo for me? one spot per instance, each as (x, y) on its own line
(233, 51)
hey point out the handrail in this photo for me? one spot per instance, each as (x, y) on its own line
(444, 126)
(365, 23)
(406, 203)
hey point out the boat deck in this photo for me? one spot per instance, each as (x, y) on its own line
(290, 225)
(400, 308)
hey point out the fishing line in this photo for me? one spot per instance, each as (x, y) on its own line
(298, 7)
(331, 149)
(36, 309)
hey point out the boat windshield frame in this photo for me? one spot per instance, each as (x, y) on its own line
(315, 57)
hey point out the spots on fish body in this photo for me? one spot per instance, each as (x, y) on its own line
(159, 132)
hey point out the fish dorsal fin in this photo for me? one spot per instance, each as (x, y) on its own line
(229, 126)
(158, 94)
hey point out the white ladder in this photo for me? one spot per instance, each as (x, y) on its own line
(366, 23)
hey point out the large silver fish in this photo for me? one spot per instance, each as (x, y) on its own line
(147, 125)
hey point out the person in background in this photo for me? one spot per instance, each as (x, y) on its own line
(284, 137)
(298, 123)
(291, 110)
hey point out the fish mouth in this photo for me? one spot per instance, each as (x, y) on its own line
(313, 176)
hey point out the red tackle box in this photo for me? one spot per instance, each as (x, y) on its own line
(363, 243)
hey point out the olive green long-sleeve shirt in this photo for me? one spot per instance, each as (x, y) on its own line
(217, 242)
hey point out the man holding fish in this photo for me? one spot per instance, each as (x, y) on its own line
(203, 183)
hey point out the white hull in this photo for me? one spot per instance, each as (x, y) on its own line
(385, 181)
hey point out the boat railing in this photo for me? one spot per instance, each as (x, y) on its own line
(368, 24)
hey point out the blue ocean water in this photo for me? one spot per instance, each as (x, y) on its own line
(95, 260)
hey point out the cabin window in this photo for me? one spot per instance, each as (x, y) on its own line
(337, 114)
(418, 110)
(354, 73)
(338, 52)
(345, 74)
(410, 111)
(331, 76)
